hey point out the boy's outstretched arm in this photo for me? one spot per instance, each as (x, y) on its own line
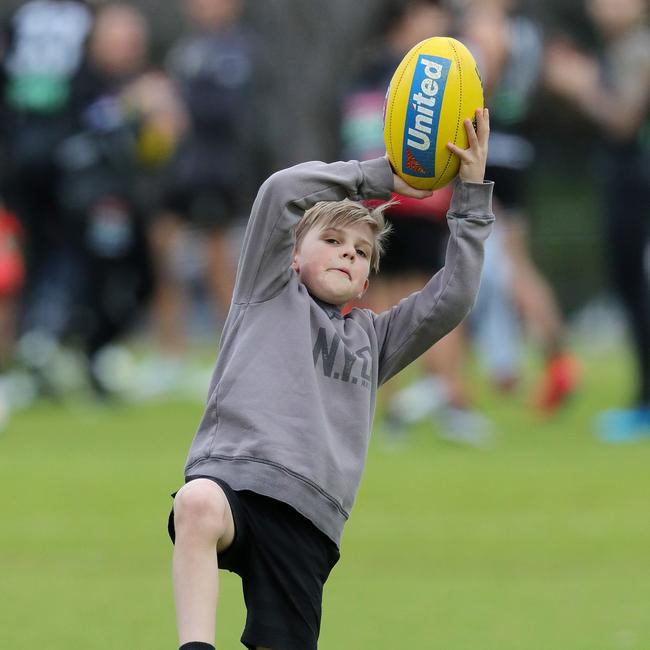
(417, 322)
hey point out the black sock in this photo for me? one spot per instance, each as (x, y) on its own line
(196, 645)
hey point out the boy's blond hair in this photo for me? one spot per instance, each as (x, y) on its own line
(333, 214)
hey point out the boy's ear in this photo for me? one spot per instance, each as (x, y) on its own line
(366, 284)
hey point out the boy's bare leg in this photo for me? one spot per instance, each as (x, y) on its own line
(204, 525)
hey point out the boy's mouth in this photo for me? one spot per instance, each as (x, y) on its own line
(345, 271)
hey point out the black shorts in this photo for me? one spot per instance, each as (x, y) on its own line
(283, 561)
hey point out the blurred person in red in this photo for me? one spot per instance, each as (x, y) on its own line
(12, 278)
(612, 90)
(212, 65)
(417, 244)
(509, 52)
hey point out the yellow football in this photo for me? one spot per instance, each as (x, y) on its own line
(434, 89)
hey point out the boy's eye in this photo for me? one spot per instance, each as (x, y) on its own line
(362, 252)
(331, 240)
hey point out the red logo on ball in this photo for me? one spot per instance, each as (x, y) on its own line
(413, 164)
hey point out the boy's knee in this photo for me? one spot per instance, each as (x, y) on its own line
(201, 506)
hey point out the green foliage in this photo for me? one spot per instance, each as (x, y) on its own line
(538, 542)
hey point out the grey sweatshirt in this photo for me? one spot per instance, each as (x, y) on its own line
(292, 397)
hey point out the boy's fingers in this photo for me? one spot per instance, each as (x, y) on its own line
(461, 153)
(477, 138)
(483, 125)
(472, 138)
(400, 186)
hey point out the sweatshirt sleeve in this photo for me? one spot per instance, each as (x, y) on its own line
(412, 326)
(264, 264)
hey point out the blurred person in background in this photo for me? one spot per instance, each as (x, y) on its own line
(212, 65)
(42, 49)
(124, 125)
(89, 249)
(417, 244)
(612, 90)
(509, 51)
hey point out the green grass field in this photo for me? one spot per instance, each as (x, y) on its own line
(540, 542)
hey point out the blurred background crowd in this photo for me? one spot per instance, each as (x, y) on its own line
(133, 137)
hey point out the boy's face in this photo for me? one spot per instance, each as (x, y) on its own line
(334, 263)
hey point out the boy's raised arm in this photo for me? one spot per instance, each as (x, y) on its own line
(408, 329)
(417, 322)
(264, 265)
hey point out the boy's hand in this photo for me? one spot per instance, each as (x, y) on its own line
(473, 159)
(400, 186)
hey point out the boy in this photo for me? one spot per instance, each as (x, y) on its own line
(275, 465)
